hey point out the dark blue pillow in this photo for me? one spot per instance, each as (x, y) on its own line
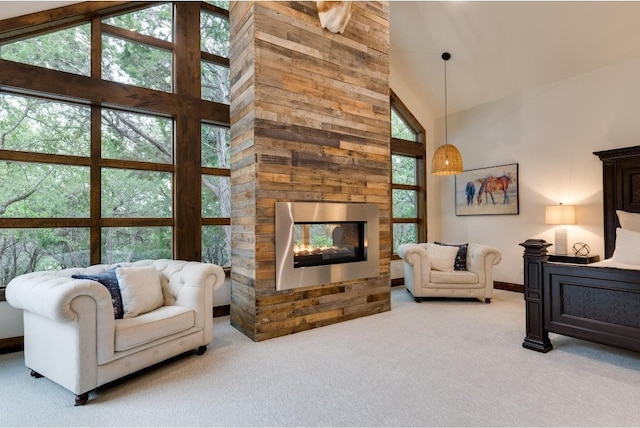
(109, 279)
(461, 257)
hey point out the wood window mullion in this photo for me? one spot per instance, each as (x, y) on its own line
(95, 187)
(95, 192)
(187, 194)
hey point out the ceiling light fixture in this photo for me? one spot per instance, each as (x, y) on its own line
(447, 159)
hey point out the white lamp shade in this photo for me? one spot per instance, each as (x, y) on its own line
(560, 214)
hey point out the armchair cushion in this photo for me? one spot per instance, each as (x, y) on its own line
(109, 279)
(442, 258)
(145, 328)
(456, 277)
(141, 289)
(461, 257)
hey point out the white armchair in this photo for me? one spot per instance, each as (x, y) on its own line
(72, 337)
(422, 280)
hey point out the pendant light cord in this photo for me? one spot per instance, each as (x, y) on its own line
(446, 56)
(446, 127)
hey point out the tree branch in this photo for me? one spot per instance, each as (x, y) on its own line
(25, 195)
(139, 132)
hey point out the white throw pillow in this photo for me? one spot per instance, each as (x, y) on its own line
(629, 221)
(140, 289)
(442, 257)
(627, 245)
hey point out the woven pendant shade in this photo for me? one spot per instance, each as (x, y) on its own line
(446, 161)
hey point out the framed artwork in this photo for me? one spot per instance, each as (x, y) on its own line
(486, 191)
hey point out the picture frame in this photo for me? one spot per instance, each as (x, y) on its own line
(488, 191)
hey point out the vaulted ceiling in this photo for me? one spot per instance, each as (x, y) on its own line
(498, 48)
(503, 47)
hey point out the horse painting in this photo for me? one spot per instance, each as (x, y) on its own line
(470, 190)
(492, 184)
(478, 191)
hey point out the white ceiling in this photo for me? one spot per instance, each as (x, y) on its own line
(10, 9)
(504, 47)
(498, 48)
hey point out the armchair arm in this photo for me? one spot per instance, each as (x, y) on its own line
(417, 266)
(50, 295)
(414, 253)
(191, 284)
(59, 301)
(481, 259)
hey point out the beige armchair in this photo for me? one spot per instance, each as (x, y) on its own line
(423, 280)
(73, 336)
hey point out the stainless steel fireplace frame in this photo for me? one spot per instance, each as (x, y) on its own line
(289, 213)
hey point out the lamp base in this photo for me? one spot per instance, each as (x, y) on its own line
(561, 241)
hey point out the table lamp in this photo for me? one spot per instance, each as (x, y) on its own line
(560, 215)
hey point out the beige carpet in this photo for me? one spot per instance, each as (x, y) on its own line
(436, 363)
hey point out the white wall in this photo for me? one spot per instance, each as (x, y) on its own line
(551, 132)
(222, 294)
(10, 321)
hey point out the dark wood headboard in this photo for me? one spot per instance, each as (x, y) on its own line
(621, 188)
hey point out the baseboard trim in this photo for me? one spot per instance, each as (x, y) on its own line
(221, 311)
(397, 282)
(519, 288)
(496, 284)
(11, 344)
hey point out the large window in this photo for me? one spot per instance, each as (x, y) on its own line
(408, 193)
(102, 120)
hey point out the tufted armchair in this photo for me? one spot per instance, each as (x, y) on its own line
(428, 274)
(72, 337)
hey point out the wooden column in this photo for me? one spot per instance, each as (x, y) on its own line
(188, 150)
(310, 121)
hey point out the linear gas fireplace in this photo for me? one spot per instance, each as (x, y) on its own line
(320, 243)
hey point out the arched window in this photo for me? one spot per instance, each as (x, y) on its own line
(408, 179)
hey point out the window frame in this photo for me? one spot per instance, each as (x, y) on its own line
(417, 150)
(183, 105)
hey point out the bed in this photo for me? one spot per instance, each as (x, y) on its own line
(599, 302)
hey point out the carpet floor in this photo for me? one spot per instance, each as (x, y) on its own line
(437, 363)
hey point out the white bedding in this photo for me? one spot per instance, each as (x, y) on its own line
(610, 263)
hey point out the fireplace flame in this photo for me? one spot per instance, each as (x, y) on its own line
(310, 250)
(306, 250)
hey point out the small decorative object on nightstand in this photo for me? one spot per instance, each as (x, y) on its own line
(581, 260)
(581, 249)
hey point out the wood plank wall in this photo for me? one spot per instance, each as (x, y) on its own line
(309, 122)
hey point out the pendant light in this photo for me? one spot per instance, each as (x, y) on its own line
(447, 159)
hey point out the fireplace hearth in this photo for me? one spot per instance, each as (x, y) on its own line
(320, 243)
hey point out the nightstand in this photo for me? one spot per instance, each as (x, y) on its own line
(568, 258)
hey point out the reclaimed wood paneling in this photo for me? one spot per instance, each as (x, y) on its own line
(309, 122)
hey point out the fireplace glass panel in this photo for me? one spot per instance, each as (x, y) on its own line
(317, 244)
(319, 224)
